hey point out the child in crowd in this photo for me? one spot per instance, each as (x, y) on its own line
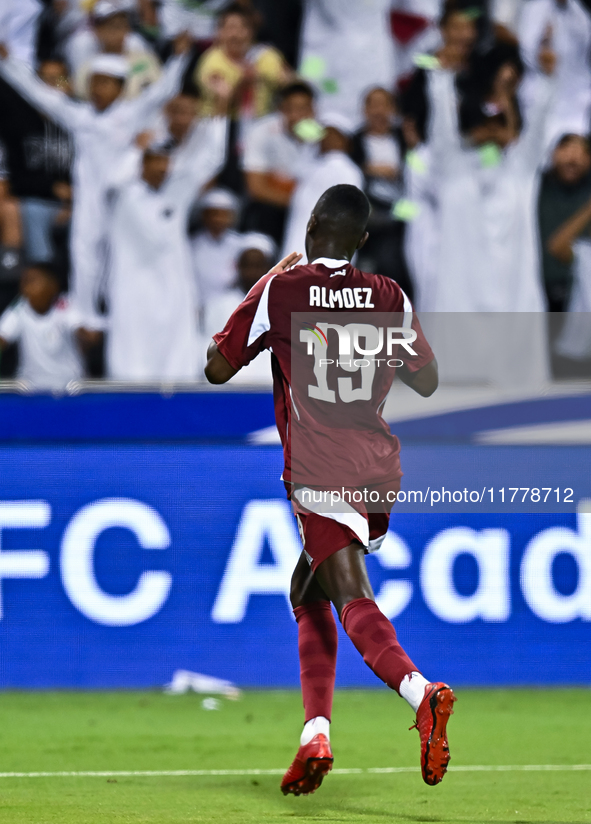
(215, 247)
(48, 332)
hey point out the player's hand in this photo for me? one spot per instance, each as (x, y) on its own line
(547, 61)
(546, 55)
(3, 51)
(286, 263)
(143, 140)
(182, 43)
(222, 93)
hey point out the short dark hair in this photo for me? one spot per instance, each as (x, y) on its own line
(295, 87)
(343, 210)
(572, 137)
(237, 8)
(42, 266)
(465, 7)
(379, 90)
(46, 269)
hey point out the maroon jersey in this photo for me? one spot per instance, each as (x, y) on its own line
(327, 409)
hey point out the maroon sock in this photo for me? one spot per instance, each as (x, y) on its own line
(317, 644)
(375, 638)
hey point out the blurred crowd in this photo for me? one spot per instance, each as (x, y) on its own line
(158, 156)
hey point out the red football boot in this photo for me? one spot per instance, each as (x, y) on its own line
(432, 717)
(311, 764)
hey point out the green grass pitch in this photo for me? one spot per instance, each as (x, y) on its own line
(114, 731)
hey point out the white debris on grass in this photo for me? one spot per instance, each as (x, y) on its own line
(186, 681)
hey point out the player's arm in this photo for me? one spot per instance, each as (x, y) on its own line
(217, 369)
(424, 381)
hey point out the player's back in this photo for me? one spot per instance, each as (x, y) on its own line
(336, 333)
(325, 286)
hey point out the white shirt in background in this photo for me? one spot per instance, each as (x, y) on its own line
(571, 40)
(487, 263)
(488, 253)
(381, 150)
(507, 13)
(328, 170)
(18, 27)
(269, 148)
(49, 357)
(199, 19)
(421, 236)
(101, 139)
(214, 263)
(152, 300)
(423, 41)
(347, 47)
(215, 317)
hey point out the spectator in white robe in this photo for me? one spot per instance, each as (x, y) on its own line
(565, 26)
(153, 333)
(346, 47)
(103, 130)
(505, 16)
(214, 248)
(488, 258)
(333, 166)
(48, 331)
(18, 27)
(419, 210)
(257, 253)
(110, 33)
(487, 186)
(415, 29)
(571, 243)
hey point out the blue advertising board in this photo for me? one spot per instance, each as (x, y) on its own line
(120, 564)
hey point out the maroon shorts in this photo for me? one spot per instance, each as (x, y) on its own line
(327, 525)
